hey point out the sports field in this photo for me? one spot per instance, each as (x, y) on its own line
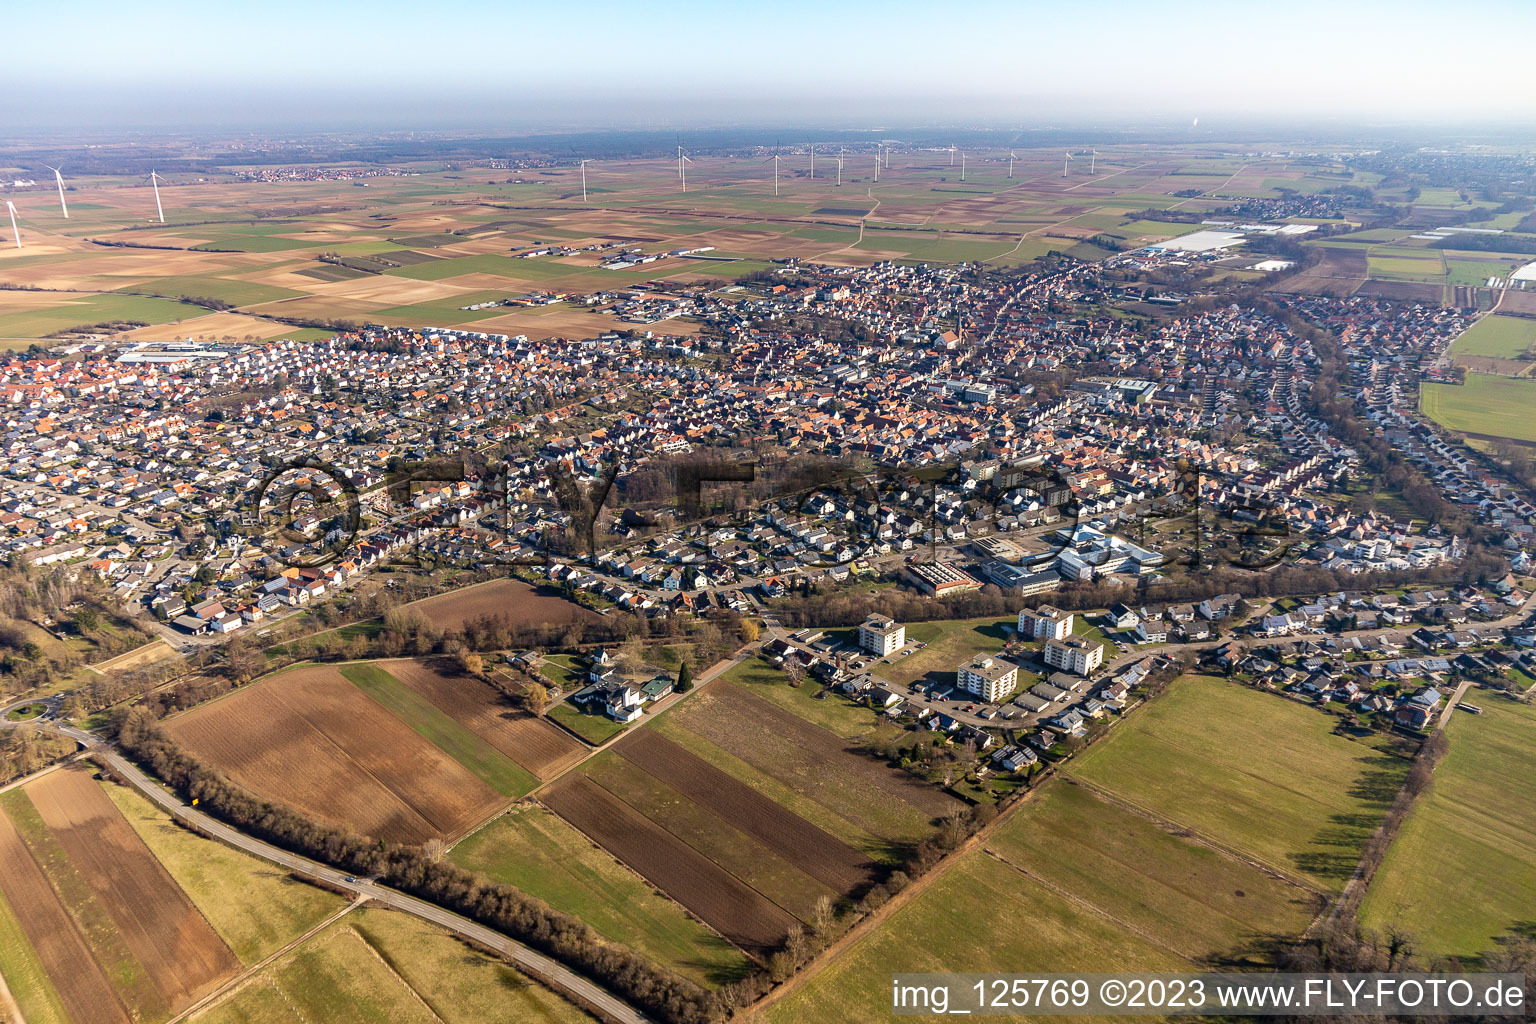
(1251, 772)
(1486, 405)
(1463, 869)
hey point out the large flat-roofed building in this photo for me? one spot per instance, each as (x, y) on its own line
(881, 635)
(1074, 655)
(1045, 623)
(1020, 580)
(991, 679)
(941, 578)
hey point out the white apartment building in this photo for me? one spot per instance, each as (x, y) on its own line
(1075, 655)
(880, 635)
(1045, 623)
(991, 679)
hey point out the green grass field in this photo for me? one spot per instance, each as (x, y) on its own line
(1463, 869)
(1405, 268)
(380, 965)
(255, 907)
(490, 765)
(1203, 904)
(950, 642)
(81, 311)
(1477, 272)
(595, 729)
(1504, 337)
(540, 854)
(834, 712)
(981, 915)
(25, 975)
(1253, 772)
(1495, 406)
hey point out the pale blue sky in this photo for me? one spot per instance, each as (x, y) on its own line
(664, 62)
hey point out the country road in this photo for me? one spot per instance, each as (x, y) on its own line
(584, 991)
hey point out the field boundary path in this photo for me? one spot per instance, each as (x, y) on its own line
(581, 990)
(9, 1008)
(1353, 894)
(246, 975)
(874, 920)
(1183, 831)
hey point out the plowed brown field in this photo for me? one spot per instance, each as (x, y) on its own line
(530, 741)
(714, 894)
(80, 982)
(312, 740)
(732, 717)
(179, 950)
(513, 601)
(812, 850)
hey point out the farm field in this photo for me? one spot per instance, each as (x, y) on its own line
(748, 840)
(1485, 405)
(513, 602)
(533, 743)
(1071, 878)
(415, 250)
(834, 712)
(1250, 772)
(542, 855)
(312, 739)
(103, 932)
(254, 906)
(1504, 337)
(485, 762)
(380, 965)
(1463, 869)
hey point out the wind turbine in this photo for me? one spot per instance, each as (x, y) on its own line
(1064, 164)
(583, 181)
(877, 169)
(1012, 156)
(15, 233)
(840, 167)
(951, 154)
(813, 161)
(154, 180)
(683, 161)
(59, 180)
(962, 165)
(679, 159)
(775, 174)
(887, 157)
(1093, 159)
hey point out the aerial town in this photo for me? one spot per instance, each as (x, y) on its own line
(563, 540)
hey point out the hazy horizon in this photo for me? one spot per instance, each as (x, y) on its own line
(521, 68)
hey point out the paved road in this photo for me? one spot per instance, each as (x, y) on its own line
(532, 962)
